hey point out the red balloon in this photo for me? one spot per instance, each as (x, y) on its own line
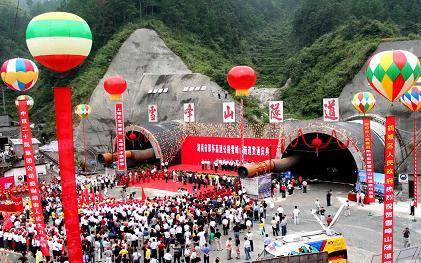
(317, 142)
(115, 86)
(241, 78)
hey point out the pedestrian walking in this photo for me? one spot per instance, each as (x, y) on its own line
(274, 227)
(295, 213)
(412, 207)
(205, 251)
(249, 236)
(284, 223)
(347, 208)
(329, 220)
(228, 248)
(406, 234)
(329, 197)
(304, 186)
(247, 248)
(317, 204)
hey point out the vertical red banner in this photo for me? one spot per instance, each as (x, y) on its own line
(31, 176)
(121, 140)
(415, 164)
(368, 160)
(69, 197)
(389, 174)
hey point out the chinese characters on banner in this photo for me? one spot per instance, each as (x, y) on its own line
(31, 176)
(189, 112)
(415, 165)
(228, 112)
(121, 140)
(368, 160)
(276, 111)
(389, 173)
(152, 113)
(331, 109)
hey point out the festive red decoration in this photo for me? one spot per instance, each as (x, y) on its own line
(115, 86)
(132, 136)
(241, 78)
(317, 142)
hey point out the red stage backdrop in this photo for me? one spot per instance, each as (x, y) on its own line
(368, 160)
(389, 173)
(196, 149)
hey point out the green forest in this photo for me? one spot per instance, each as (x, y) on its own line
(319, 45)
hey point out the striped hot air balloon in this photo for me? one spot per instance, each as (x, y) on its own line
(412, 98)
(29, 101)
(83, 110)
(364, 101)
(60, 41)
(392, 73)
(19, 74)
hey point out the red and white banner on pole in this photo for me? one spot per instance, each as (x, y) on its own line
(152, 113)
(368, 160)
(415, 164)
(120, 137)
(276, 111)
(189, 112)
(389, 174)
(31, 176)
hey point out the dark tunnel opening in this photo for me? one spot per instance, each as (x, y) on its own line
(330, 163)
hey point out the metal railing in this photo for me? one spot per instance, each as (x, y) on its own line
(407, 255)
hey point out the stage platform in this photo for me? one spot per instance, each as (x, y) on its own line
(169, 186)
(198, 169)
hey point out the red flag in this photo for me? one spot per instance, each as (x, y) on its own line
(7, 224)
(143, 194)
(368, 160)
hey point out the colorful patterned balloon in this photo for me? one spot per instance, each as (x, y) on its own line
(364, 102)
(412, 98)
(19, 74)
(392, 73)
(83, 110)
(29, 101)
(60, 41)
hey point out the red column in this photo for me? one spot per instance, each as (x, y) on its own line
(389, 174)
(242, 130)
(64, 123)
(31, 176)
(368, 150)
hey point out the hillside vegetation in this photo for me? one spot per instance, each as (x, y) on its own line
(318, 44)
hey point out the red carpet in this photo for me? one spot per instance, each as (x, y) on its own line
(170, 186)
(196, 168)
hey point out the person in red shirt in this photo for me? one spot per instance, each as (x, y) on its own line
(329, 220)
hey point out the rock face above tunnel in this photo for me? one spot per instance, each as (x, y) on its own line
(155, 75)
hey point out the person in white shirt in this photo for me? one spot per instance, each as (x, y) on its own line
(247, 248)
(295, 213)
(167, 257)
(249, 236)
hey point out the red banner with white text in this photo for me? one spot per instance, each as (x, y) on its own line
(389, 174)
(31, 176)
(197, 149)
(415, 164)
(368, 160)
(121, 141)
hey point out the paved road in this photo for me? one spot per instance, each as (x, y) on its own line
(361, 230)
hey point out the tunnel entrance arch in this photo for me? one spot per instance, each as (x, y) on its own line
(332, 162)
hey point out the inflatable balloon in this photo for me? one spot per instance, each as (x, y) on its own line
(412, 98)
(59, 41)
(115, 86)
(83, 110)
(364, 101)
(19, 74)
(392, 73)
(241, 78)
(29, 101)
